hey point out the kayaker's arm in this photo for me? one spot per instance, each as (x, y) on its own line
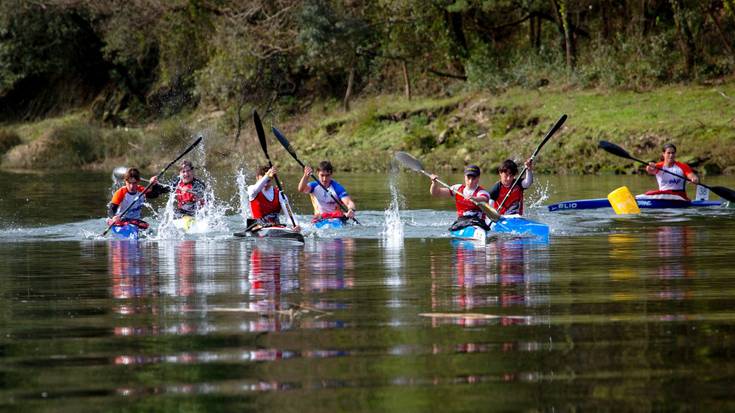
(350, 204)
(156, 189)
(438, 190)
(254, 190)
(304, 182)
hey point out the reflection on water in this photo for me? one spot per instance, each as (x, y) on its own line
(630, 313)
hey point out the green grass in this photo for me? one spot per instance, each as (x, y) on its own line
(449, 132)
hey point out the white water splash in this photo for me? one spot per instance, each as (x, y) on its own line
(393, 227)
(242, 192)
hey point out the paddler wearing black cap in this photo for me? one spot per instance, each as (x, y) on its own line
(468, 213)
(514, 202)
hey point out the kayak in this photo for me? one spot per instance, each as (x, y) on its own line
(510, 224)
(275, 232)
(649, 203)
(126, 231)
(184, 223)
(329, 223)
(516, 224)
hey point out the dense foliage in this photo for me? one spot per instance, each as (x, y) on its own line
(134, 60)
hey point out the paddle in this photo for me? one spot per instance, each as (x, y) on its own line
(548, 136)
(414, 164)
(122, 214)
(264, 145)
(291, 151)
(724, 193)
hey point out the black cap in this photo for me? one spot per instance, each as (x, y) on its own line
(473, 170)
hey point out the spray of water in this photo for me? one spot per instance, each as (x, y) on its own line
(393, 229)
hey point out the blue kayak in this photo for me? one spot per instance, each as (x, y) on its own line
(128, 231)
(509, 224)
(329, 223)
(650, 203)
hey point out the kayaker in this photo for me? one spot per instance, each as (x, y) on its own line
(325, 207)
(467, 212)
(266, 201)
(513, 205)
(126, 195)
(188, 191)
(669, 184)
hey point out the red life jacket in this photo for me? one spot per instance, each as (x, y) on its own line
(261, 207)
(185, 194)
(465, 205)
(514, 203)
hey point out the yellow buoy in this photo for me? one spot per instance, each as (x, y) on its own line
(623, 201)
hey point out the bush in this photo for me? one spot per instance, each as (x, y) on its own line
(8, 139)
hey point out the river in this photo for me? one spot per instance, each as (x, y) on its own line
(613, 313)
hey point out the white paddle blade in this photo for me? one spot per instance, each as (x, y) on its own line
(702, 193)
(118, 174)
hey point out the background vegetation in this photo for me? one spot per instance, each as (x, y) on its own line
(85, 83)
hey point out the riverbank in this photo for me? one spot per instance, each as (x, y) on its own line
(445, 133)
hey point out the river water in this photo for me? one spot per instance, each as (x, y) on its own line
(613, 313)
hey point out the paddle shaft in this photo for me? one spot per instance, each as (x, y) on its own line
(488, 212)
(150, 184)
(548, 136)
(264, 146)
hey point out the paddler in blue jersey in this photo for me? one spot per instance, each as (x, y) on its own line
(266, 201)
(468, 213)
(325, 206)
(127, 195)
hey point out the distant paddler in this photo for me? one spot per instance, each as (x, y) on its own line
(266, 201)
(669, 174)
(508, 198)
(467, 198)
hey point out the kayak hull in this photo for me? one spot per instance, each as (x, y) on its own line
(515, 224)
(184, 223)
(274, 233)
(509, 224)
(471, 233)
(128, 232)
(650, 203)
(329, 223)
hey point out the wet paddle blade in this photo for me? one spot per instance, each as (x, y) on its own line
(614, 149)
(118, 174)
(261, 133)
(549, 134)
(623, 201)
(724, 193)
(409, 161)
(491, 212)
(286, 144)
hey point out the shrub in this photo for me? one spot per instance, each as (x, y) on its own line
(8, 139)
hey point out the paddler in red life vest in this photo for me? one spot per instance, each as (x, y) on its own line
(127, 195)
(266, 201)
(467, 212)
(669, 184)
(188, 191)
(325, 207)
(513, 205)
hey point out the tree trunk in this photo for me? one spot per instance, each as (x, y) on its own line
(686, 39)
(720, 32)
(406, 80)
(562, 17)
(348, 92)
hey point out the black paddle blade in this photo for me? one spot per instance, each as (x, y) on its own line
(614, 149)
(261, 133)
(282, 139)
(724, 193)
(549, 134)
(409, 161)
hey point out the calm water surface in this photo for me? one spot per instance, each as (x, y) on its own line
(614, 313)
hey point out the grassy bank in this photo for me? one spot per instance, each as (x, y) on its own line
(445, 133)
